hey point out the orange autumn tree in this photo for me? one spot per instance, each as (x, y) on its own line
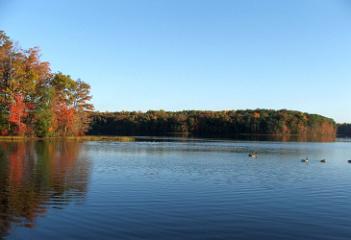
(36, 102)
(65, 119)
(72, 105)
(17, 112)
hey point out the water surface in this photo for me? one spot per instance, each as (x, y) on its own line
(174, 190)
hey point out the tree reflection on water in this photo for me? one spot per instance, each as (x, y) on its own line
(35, 176)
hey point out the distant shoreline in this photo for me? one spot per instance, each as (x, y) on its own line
(241, 137)
(232, 124)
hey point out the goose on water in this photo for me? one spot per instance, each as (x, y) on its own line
(305, 160)
(253, 154)
(323, 161)
(349, 161)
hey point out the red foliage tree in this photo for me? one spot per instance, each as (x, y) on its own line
(17, 113)
(65, 117)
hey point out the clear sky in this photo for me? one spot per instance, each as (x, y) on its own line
(196, 54)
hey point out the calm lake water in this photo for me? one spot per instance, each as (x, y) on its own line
(174, 190)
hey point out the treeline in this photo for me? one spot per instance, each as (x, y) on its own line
(212, 123)
(36, 102)
(344, 130)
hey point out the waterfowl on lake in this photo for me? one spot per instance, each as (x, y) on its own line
(349, 161)
(305, 160)
(323, 161)
(253, 154)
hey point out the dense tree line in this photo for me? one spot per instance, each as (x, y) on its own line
(212, 123)
(36, 102)
(344, 130)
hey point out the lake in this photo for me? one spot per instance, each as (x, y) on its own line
(175, 189)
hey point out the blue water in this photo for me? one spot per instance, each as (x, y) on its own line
(175, 190)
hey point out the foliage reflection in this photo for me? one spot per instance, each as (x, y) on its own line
(36, 176)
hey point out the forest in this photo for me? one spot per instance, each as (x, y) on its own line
(344, 130)
(212, 123)
(34, 101)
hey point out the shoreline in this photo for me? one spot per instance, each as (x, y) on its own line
(80, 138)
(240, 137)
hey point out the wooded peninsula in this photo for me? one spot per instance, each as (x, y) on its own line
(212, 123)
(36, 102)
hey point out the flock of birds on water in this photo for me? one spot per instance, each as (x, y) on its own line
(305, 160)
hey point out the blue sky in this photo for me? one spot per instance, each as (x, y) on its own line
(196, 54)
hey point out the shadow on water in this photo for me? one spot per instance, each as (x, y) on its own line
(37, 175)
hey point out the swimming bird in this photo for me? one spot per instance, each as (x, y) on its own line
(305, 160)
(253, 154)
(349, 161)
(323, 161)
